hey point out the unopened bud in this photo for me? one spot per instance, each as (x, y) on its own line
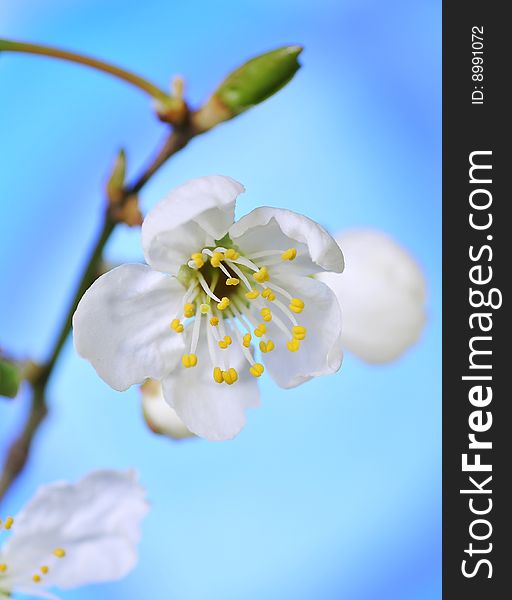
(250, 84)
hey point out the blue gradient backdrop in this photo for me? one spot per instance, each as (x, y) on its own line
(333, 489)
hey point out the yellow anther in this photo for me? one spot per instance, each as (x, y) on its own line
(252, 294)
(214, 321)
(296, 305)
(59, 552)
(262, 275)
(225, 342)
(232, 281)
(216, 259)
(223, 304)
(204, 308)
(217, 375)
(44, 569)
(197, 257)
(299, 333)
(266, 314)
(293, 345)
(260, 330)
(247, 340)
(231, 254)
(268, 294)
(36, 578)
(257, 370)
(230, 376)
(3, 567)
(177, 325)
(189, 310)
(267, 346)
(8, 522)
(289, 254)
(189, 360)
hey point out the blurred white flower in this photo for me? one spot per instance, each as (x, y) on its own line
(159, 416)
(382, 294)
(71, 535)
(217, 284)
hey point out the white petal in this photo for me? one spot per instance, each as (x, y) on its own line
(279, 229)
(159, 416)
(211, 410)
(320, 353)
(122, 325)
(382, 295)
(191, 217)
(96, 521)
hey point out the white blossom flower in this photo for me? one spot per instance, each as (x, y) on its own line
(159, 416)
(382, 295)
(215, 291)
(71, 535)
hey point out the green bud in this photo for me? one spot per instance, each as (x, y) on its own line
(9, 378)
(116, 180)
(255, 81)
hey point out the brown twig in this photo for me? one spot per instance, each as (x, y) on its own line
(19, 450)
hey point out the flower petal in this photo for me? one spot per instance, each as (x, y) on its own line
(191, 217)
(159, 416)
(121, 325)
(320, 353)
(96, 521)
(279, 229)
(211, 410)
(382, 295)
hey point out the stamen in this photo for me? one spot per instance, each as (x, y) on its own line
(231, 254)
(195, 335)
(216, 259)
(214, 321)
(230, 376)
(240, 274)
(260, 330)
(289, 254)
(279, 290)
(9, 522)
(286, 311)
(223, 304)
(266, 314)
(204, 309)
(177, 326)
(225, 342)
(44, 569)
(3, 567)
(247, 340)
(293, 345)
(232, 281)
(206, 287)
(217, 375)
(189, 310)
(189, 360)
(59, 552)
(299, 333)
(268, 294)
(198, 259)
(36, 578)
(261, 275)
(252, 294)
(297, 305)
(264, 254)
(267, 346)
(257, 370)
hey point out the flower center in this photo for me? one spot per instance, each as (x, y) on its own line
(233, 298)
(39, 572)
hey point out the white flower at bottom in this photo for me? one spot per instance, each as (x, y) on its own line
(71, 535)
(382, 296)
(215, 293)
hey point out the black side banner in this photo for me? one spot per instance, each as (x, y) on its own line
(477, 255)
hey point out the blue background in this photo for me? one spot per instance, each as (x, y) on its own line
(333, 489)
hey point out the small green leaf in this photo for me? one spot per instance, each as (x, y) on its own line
(10, 379)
